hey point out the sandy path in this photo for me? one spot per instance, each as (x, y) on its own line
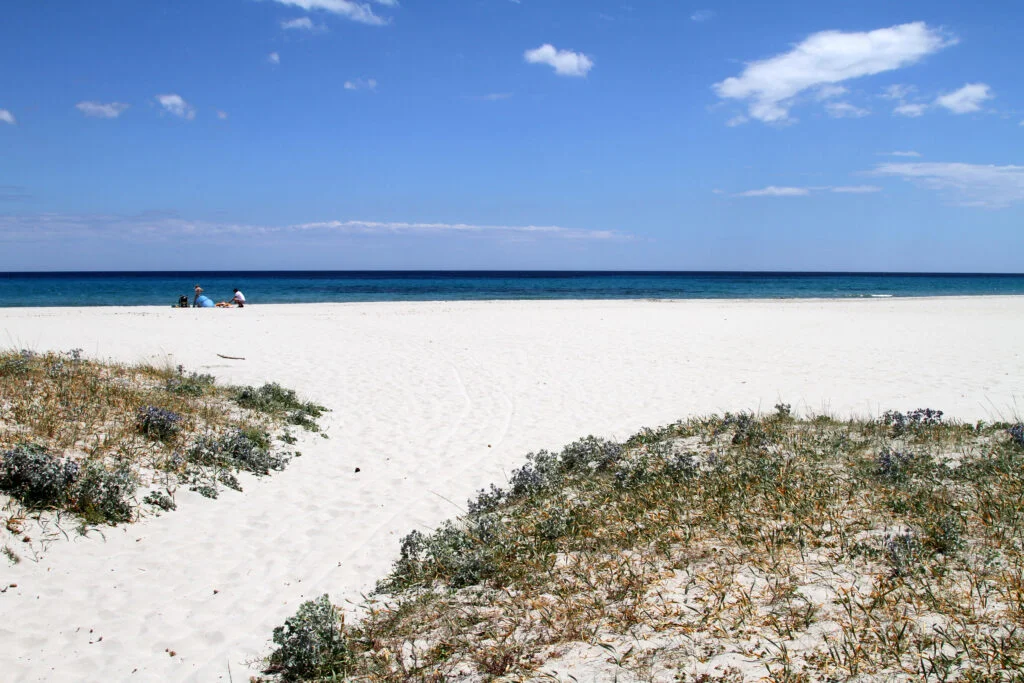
(433, 401)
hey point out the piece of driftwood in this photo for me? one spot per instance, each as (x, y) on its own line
(221, 355)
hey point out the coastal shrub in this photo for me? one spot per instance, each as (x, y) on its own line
(457, 555)
(590, 453)
(894, 466)
(160, 500)
(193, 384)
(635, 472)
(915, 420)
(102, 495)
(36, 477)
(748, 430)
(944, 535)
(904, 553)
(1017, 434)
(274, 399)
(16, 364)
(542, 472)
(311, 645)
(487, 501)
(247, 450)
(680, 466)
(158, 423)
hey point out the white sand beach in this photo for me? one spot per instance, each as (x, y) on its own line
(432, 401)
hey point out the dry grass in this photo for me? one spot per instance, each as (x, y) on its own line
(726, 548)
(148, 430)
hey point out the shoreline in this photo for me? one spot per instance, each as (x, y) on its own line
(256, 304)
(433, 401)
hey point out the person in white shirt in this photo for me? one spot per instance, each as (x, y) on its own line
(239, 299)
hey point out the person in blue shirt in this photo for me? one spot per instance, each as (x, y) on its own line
(200, 300)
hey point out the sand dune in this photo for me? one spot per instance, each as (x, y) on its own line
(433, 401)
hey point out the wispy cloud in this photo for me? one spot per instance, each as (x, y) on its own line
(775, 191)
(302, 24)
(356, 11)
(490, 97)
(910, 110)
(987, 186)
(7, 117)
(845, 110)
(769, 86)
(827, 92)
(274, 58)
(855, 189)
(222, 115)
(702, 15)
(176, 105)
(564, 62)
(967, 99)
(361, 84)
(161, 227)
(100, 110)
(908, 153)
(898, 91)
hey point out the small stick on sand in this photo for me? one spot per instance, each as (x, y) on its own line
(221, 355)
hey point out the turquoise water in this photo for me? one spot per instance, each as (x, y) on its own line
(163, 289)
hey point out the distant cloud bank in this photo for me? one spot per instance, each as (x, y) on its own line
(977, 185)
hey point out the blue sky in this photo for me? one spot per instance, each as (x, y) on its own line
(336, 134)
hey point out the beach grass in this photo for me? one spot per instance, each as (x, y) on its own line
(723, 548)
(106, 442)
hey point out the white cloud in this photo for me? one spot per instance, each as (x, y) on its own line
(356, 11)
(737, 120)
(702, 15)
(302, 24)
(102, 111)
(911, 110)
(903, 154)
(361, 84)
(827, 92)
(980, 185)
(565, 62)
(274, 58)
(967, 99)
(175, 104)
(898, 91)
(222, 115)
(7, 117)
(855, 189)
(773, 191)
(845, 110)
(161, 227)
(830, 57)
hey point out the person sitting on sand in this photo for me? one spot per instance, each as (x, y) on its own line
(239, 299)
(201, 300)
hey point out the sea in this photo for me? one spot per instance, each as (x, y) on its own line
(277, 287)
